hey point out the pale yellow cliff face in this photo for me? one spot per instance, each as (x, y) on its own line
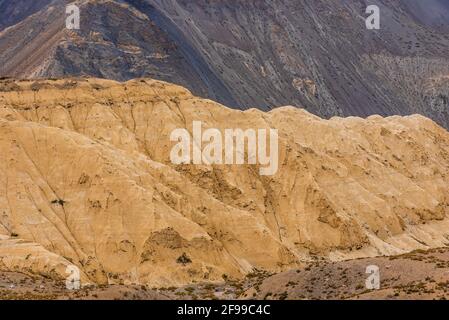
(86, 178)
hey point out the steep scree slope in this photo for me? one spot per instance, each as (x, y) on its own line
(247, 53)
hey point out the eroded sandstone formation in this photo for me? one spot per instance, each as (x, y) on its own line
(86, 179)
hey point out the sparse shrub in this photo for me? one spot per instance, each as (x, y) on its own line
(184, 259)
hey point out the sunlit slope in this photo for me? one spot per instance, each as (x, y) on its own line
(86, 178)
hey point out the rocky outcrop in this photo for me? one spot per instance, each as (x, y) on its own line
(86, 179)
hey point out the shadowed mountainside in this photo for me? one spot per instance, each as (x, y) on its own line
(248, 53)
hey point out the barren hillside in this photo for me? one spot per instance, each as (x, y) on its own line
(86, 179)
(317, 54)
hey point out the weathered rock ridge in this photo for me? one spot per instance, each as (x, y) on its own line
(85, 179)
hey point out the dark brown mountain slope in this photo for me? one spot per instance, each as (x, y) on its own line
(12, 12)
(248, 53)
